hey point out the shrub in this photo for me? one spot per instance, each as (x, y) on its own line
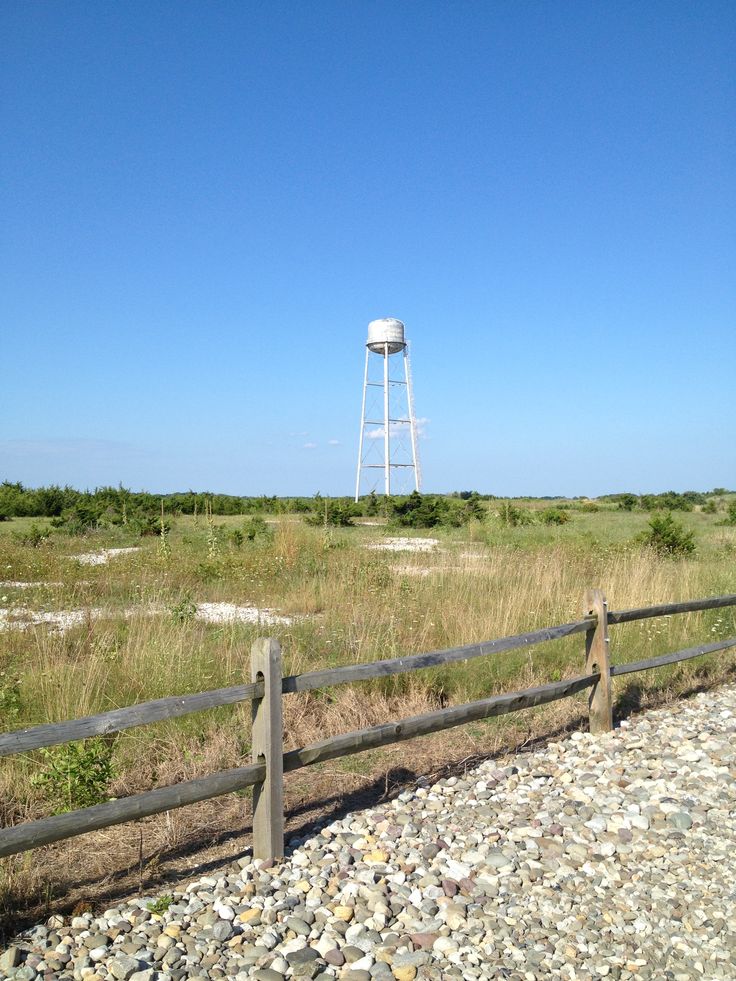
(667, 536)
(731, 513)
(513, 516)
(255, 528)
(160, 905)
(76, 775)
(78, 519)
(554, 516)
(148, 523)
(627, 502)
(710, 507)
(336, 514)
(236, 537)
(184, 611)
(473, 508)
(417, 511)
(10, 701)
(34, 536)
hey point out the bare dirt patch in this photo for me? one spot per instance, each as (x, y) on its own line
(405, 545)
(103, 556)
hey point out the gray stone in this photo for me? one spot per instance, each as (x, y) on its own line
(10, 958)
(222, 930)
(122, 966)
(304, 955)
(680, 820)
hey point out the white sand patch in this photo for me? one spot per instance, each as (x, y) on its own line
(411, 570)
(20, 618)
(230, 613)
(405, 545)
(103, 556)
(59, 621)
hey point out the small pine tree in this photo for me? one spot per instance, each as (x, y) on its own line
(668, 537)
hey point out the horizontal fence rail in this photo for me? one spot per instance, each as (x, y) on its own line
(674, 658)
(667, 609)
(265, 694)
(60, 826)
(117, 720)
(422, 725)
(416, 662)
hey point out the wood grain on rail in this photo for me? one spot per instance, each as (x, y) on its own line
(683, 655)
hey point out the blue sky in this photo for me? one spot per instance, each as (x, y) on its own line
(205, 203)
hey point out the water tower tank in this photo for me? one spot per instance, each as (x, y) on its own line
(385, 331)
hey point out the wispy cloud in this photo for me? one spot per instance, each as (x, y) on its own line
(310, 446)
(333, 442)
(398, 428)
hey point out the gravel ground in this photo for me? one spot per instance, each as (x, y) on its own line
(589, 858)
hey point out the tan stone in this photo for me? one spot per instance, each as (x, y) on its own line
(249, 914)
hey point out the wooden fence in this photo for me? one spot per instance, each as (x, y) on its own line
(265, 691)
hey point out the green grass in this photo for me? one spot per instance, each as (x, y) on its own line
(349, 603)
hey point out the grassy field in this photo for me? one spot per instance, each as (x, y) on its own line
(138, 636)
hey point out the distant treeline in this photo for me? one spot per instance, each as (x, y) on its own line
(669, 501)
(115, 505)
(78, 511)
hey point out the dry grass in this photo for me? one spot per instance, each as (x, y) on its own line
(353, 604)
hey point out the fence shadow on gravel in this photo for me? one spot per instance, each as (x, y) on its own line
(268, 687)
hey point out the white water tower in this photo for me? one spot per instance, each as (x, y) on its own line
(388, 429)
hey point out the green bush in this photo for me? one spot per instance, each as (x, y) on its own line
(78, 519)
(148, 523)
(160, 905)
(335, 514)
(473, 509)
(76, 775)
(731, 513)
(513, 516)
(184, 611)
(255, 529)
(236, 537)
(667, 536)
(627, 502)
(33, 536)
(554, 516)
(418, 511)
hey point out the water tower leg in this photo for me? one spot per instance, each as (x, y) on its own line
(412, 420)
(386, 448)
(362, 429)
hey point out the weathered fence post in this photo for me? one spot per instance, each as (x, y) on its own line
(268, 748)
(600, 710)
